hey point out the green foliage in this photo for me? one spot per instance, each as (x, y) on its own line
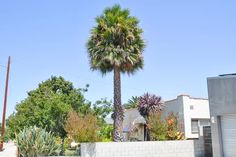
(105, 133)
(116, 40)
(48, 106)
(82, 128)
(102, 108)
(67, 142)
(69, 152)
(132, 103)
(173, 127)
(164, 128)
(34, 142)
(157, 127)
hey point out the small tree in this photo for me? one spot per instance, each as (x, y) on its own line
(148, 104)
(82, 128)
(157, 127)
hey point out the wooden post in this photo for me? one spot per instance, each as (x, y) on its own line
(5, 101)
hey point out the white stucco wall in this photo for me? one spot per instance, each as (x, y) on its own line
(200, 111)
(181, 105)
(182, 148)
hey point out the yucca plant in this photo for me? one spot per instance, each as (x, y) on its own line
(36, 142)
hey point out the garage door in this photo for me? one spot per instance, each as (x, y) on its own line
(228, 126)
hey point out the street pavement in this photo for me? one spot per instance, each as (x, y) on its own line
(10, 150)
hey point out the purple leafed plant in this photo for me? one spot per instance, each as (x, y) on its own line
(149, 103)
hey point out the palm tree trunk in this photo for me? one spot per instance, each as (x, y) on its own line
(118, 110)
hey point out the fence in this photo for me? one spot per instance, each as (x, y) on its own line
(185, 148)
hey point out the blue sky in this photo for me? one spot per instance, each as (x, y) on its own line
(187, 41)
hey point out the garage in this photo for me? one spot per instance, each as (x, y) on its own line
(228, 128)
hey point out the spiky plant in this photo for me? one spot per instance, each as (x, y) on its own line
(116, 44)
(149, 103)
(34, 142)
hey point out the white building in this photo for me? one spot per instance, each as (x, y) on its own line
(193, 114)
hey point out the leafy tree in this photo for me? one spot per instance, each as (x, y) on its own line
(102, 108)
(48, 106)
(115, 44)
(132, 103)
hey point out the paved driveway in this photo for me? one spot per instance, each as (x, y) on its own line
(10, 150)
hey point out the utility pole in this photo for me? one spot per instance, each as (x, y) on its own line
(5, 99)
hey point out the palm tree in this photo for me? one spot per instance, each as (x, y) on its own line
(116, 44)
(132, 103)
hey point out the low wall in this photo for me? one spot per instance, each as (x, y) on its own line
(185, 148)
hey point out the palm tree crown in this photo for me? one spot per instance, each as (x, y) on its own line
(116, 41)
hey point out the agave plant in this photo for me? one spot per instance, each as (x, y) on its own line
(34, 142)
(149, 103)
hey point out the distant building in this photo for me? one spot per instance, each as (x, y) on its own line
(133, 122)
(193, 115)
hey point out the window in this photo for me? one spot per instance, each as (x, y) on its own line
(194, 126)
(191, 107)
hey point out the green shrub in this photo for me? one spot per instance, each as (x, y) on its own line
(173, 127)
(105, 133)
(167, 128)
(34, 142)
(71, 152)
(82, 128)
(157, 127)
